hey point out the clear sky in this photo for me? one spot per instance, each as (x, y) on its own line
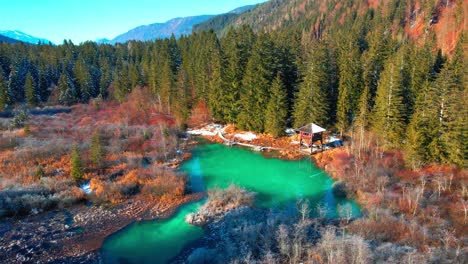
(81, 20)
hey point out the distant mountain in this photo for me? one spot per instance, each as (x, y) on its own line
(23, 37)
(103, 40)
(177, 26)
(218, 23)
(7, 39)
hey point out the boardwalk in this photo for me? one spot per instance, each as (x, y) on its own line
(254, 147)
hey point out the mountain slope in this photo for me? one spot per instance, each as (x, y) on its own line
(7, 39)
(218, 23)
(23, 37)
(413, 19)
(176, 26)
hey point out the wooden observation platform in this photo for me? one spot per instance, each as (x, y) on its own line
(310, 136)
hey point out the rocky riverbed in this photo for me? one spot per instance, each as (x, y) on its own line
(74, 235)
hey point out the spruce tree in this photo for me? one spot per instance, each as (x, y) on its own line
(30, 90)
(97, 153)
(182, 94)
(76, 167)
(255, 86)
(121, 81)
(277, 109)
(39, 174)
(216, 93)
(388, 112)
(3, 92)
(349, 88)
(68, 94)
(449, 98)
(84, 84)
(312, 102)
(237, 46)
(167, 86)
(105, 79)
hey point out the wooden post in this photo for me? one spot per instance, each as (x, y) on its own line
(300, 141)
(321, 140)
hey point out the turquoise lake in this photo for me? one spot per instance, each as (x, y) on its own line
(278, 183)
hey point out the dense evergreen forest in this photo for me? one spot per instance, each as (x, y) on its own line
(354, 76)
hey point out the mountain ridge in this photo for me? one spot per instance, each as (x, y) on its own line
(6, 39)
(177, 26)
(23, 37)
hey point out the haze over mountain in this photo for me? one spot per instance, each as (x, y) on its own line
(23, 37)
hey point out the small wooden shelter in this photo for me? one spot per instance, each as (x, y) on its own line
(309, 134)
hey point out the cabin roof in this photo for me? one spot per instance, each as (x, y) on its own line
(311, 129)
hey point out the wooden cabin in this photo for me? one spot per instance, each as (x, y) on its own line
(309, 134)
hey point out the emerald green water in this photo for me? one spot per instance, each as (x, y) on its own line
(277, 183)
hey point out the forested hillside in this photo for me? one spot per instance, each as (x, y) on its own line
(351, 71)
(404, 19)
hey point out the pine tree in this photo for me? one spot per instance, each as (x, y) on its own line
(167, 86)
(30, 90)
(121, 81)
(255, 86)
(449, 98)
(84, 84)
(237, 46)
(216, 92)
(105, 79)
(15, 84)
(97, 153)
(388, 112)
(3, 92)
(349, 88)
(277, 109)
(76, 167)
(312, 105)
(39, 174)
(68, 94)
(182, 94)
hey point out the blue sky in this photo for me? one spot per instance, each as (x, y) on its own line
(81, 20)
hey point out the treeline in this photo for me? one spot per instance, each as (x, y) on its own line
(354, 78)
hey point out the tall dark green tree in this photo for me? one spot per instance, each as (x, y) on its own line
(105, 78)
(237, 46)
(84, 83)
(181, 106)
(30, 90)
(121, 82)
(167, 86)
(76, 166)
(350, 87)
(277, 109)
(216, 92)
(312, 102)
(449, 99)
(68, 94)
(3, 92)
(256, 84)
(388, 112)
(97, 153)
